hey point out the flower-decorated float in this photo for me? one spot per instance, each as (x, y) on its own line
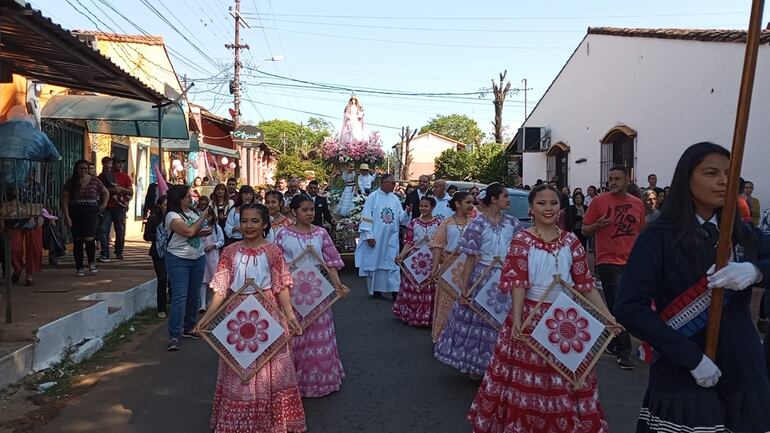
(344, 154)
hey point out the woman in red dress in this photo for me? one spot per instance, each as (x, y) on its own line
(270, 401)
(520, 392)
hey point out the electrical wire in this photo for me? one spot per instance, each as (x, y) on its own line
(519, 18)
(426, 44)
(428, 29)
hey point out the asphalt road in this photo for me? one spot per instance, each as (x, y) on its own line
(393, 384)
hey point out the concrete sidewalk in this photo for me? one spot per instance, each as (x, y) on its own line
(62, 310)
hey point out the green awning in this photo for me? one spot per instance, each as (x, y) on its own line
(218, 150)
(118, 116)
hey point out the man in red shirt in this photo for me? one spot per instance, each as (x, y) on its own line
(121, 190)
(615, 220)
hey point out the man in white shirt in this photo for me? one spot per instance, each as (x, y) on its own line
(442, 209)
(365, 178)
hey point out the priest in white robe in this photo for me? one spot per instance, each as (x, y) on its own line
(378, 244)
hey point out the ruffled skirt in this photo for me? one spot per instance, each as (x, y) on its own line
(268, 403)
(467, 340)
(521, 393)
(414, 306)
(316, 358)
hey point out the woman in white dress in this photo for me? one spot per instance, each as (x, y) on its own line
(346, 199)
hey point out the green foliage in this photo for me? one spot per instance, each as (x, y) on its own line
(454, 165)
(292, 137)
(486, 163)
(457, 126)
(292, 165)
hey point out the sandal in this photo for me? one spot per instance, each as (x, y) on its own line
(29, 282)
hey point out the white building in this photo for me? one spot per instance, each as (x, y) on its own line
(639, 97)
(424, 149)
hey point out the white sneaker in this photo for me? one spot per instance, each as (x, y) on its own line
(80, 273)
(92, 268)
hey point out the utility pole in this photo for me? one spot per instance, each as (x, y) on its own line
(235, 84)
(500, 93)
(524, 80)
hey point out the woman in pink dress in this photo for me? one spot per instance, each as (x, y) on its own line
(414, 304)
(270, 401)
(316, 358)
(520, 391)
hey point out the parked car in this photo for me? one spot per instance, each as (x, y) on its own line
(519, 207)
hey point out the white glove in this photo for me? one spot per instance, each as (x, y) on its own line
(734, 276)
(706, 374)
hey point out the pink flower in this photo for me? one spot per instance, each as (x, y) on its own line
(421, 263)
(568, 330)
(247, 330)
(307, 288)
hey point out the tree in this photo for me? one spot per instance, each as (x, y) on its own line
(291, 165)
(454, 165)
(292, 137)
(457, 126)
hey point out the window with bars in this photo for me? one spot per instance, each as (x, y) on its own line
(618, 149)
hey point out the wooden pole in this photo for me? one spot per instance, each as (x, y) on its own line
(736, 160)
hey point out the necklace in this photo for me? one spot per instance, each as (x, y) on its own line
(554, 254)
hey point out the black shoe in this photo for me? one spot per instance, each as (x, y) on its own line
(762, 325)
(611, 350)
(15, 278)
(119, 257)
(394, 295)
(173, 345)
(624, 362)
(377, 295)
(191, 334)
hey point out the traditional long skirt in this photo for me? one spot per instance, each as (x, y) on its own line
(521, 393)
(414, 304)
(316, 358)
(467, 340)
(268, 403)
(442, 305)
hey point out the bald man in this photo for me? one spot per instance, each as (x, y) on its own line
(412, 203)
(442, 209)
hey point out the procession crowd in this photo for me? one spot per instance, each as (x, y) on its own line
(654, 263)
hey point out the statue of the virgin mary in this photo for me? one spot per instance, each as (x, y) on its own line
(352, 122)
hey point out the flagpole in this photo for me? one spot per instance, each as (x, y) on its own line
(736, 160)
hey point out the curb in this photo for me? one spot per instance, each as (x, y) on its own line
(82, 329)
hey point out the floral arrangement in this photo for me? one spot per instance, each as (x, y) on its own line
(334, 152)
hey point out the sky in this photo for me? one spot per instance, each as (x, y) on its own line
(407, 60)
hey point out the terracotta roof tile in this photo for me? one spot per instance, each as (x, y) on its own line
(703, 35)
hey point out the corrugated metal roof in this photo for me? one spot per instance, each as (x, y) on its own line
(37, 48)
(702, 35)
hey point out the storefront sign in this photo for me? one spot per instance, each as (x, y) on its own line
(248, 136)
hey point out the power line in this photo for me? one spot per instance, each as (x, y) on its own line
(365, 89)
(177, 31)
(429, 29)
(428, 44)
(519, 18)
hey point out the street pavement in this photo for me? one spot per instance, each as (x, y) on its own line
(393, 384)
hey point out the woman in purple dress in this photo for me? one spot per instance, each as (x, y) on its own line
(468, 340)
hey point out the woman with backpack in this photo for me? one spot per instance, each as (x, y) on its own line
(185, 262)
(155, 221)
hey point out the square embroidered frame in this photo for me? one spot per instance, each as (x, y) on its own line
(327, 301)
(456, 263)
(233, 301)
(575, 376)
(471, 297)
(409, 256)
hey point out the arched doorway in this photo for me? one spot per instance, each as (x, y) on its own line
(558, 164)
(618, 148)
